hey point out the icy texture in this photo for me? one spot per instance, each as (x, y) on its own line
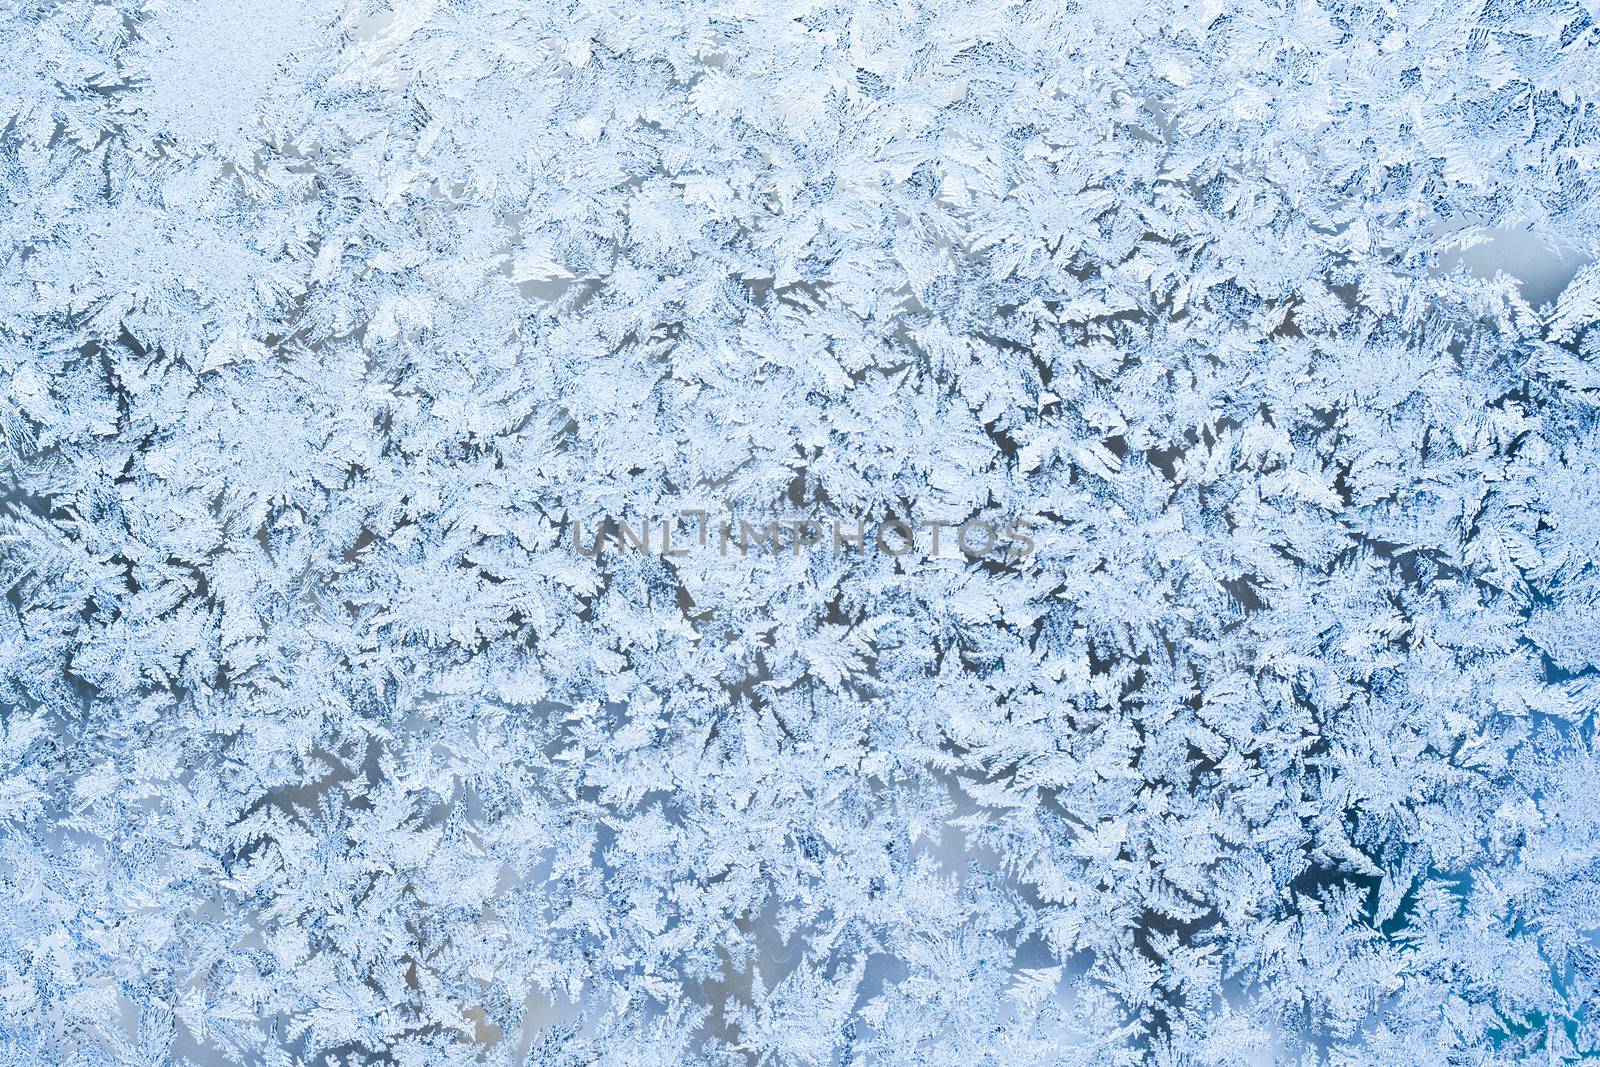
(321, 323)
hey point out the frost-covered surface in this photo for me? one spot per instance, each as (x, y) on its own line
(319, 324)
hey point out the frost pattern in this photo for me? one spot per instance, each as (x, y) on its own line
(320, 324)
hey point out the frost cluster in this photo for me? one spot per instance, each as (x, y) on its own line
(322, 325)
